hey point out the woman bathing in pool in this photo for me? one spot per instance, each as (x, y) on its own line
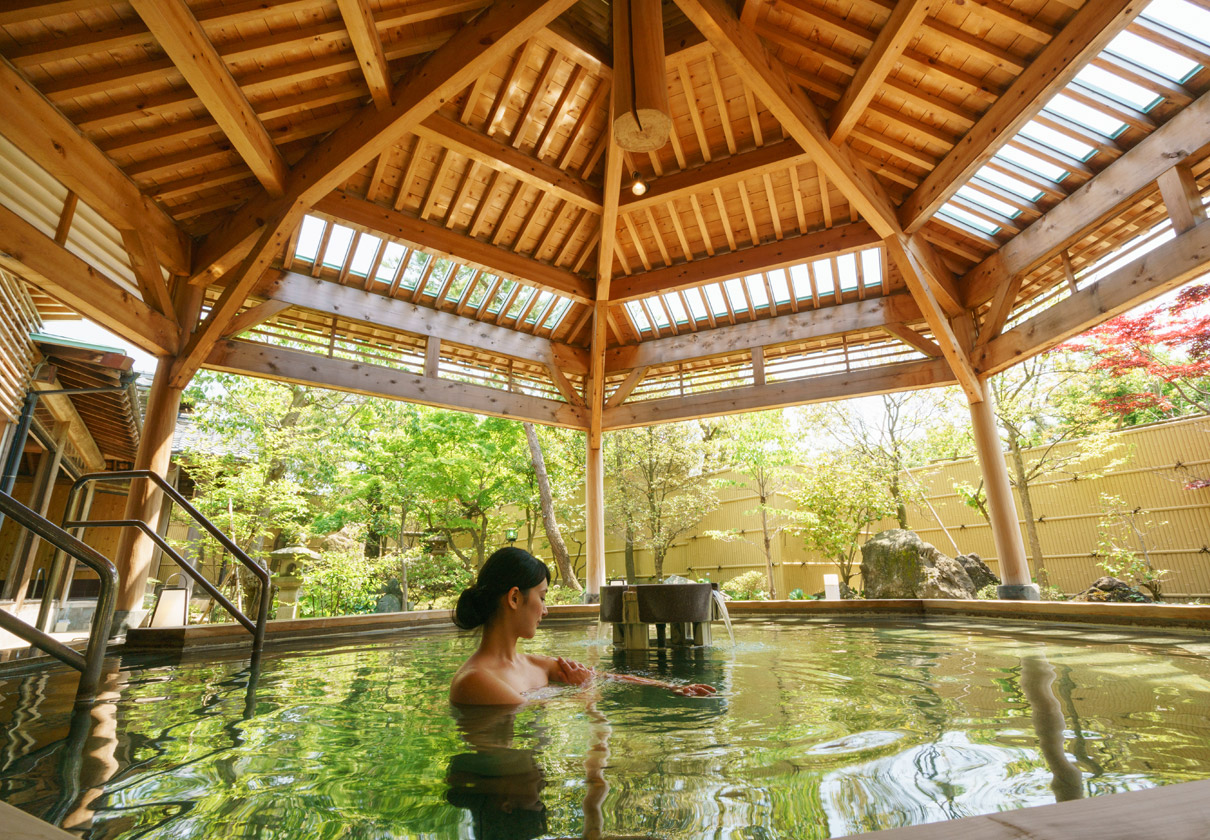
(508, 600)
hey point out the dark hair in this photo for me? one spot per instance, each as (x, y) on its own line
(506, 568)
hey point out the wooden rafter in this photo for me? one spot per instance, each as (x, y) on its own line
(359, 20)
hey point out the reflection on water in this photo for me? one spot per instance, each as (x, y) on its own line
(818, 731)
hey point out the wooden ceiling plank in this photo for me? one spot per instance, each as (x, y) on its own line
(702, 228)
(628, 222)
(772, 199)
(967, 42)
(439, 241)
(658, 237)
(359, 21)
(376, 177)
(537, 94)
(504, 94)
(27, 252)
(485, 201)
(147, 272)
(1024, 25)
(1082, 38)
(892, 40)
(753, 116)
(186, 44)
(52, 142)
(573, 236)
(531, 218)
(724, 218)
(720, 103)
(64, 411)
(435, 183)
(559, 112)
(582, 124)
(695, 113)
(796, 189)
(552, 227)
(282, 365)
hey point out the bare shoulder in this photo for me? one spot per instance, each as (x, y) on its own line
(480, 687)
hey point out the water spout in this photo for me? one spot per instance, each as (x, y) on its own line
(721, 603)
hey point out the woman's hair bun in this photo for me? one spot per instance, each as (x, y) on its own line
(469, 612)
(506, 568)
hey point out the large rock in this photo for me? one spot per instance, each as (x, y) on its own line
(898, 564)
(1112, 589)
(978, 571)
(343, 541)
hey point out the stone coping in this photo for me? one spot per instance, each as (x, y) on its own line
(1144, 616)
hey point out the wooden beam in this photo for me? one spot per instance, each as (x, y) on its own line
(1158, 271)
(186, 44)
(1085, 35)
(909, 336)
(63, 229)
(892, 40)
(64, 411)
(595, 392)
(26, 251)
(627, 387)
(436, 239)
(775, 157)
(472, 50)
(773, 255)
(254, 316)
(565, 387)
(1181, 198)
(348, 302)
(359, 21)
(1099, 199)
(432, 357)
(56, 145)
(765, 76)
(147, 272)
(453, 135)
(813, 389)
(867, 314)
(282, 365)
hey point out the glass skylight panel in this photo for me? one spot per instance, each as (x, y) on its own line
(501, 296)
(538, 308)
(735, 294)
(1115, 87)
(823, 277)
(1008, 182)
(801, 277)
(1057, 140)
(756, 289)
(638, 316)
(1088, 117)
(871, 267)
(338, 246)
(846, 267)
(440, 272)
(1152, 56)
(465, 275)
(1033, 163)
(555, 317)
(991, 203)
(657, 313)
(390, 261)
(412, 274)
(697, 305)
(969, 219)
(309, 237)
(781, 289)
(1184, 17)
(480, 292)
(676, 308)
(519, 303)
(363, 257)
(714, 297)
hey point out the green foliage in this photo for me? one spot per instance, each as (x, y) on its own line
(750, 586)
(436, 580)
(344, 583)
(1122, 546)
(797, 594)
(563, 595)
(838, 500)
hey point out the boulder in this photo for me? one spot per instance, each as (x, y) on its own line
(1112, 589)
(389, 604)
(978, 571)
(898, 564)
(343, 541)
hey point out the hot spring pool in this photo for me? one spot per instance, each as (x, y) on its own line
(820, 729)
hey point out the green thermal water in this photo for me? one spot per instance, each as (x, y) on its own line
(819, 730)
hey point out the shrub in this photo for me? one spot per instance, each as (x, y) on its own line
(344, 583)
(436, 580)
(797, 595)
(750, 586)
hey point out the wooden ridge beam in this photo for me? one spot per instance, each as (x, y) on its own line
(1158, 271)
(324, 296)
(52, 142)
(475, 145)
(772, 158)
(1096, 201)
(359, 21)
(277, 363)
(814, 389)
(186, 44)
(1085, 35)
(436, 239)
(28, 253)
(473, 49)
(723, 266)
(868, 314)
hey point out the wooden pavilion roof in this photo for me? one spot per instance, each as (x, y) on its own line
(423, 199)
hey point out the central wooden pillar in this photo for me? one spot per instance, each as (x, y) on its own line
(594, 522)
(1002, 512)
(135, 549)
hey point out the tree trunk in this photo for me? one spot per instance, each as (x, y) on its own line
(764, 527)
(1027, 509)
(557, 547)
(900, 505)
(632, 572)
(658, 556)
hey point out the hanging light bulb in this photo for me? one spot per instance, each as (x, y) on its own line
(639, 186)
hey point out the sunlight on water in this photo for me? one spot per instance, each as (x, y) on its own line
(819, 730)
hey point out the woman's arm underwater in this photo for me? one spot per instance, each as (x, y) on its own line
(574, 673)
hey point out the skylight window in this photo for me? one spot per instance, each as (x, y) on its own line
(1033, 163)
(553, 319)
(823, 277)
(984, 200)
(309, 237)
(756, 290)
(1080, 113)
(697, 305)
(363, 257)
(638, 316)
(871, 267)
(714, 297)
(1058, 141)
(415, 269)
(391, 258)
(1008, 182)
(1152, 56)
(1115, 87)
(735, 294)
(338, 246)
(801, 277)
(846, 268)
(1184, 17)
(969, 219)
(676, 308)
(465, 275)
(658, 316)
(781, 289)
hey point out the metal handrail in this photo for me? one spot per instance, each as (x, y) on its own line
(89, 664)
(260, 572)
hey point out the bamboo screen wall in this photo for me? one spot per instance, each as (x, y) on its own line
(1150, 478)
(18, 318)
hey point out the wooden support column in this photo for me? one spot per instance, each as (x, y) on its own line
(594, 523)
(22, 568)
(1010, 547)
(135, 549)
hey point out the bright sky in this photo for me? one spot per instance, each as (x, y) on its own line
(89, 332)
